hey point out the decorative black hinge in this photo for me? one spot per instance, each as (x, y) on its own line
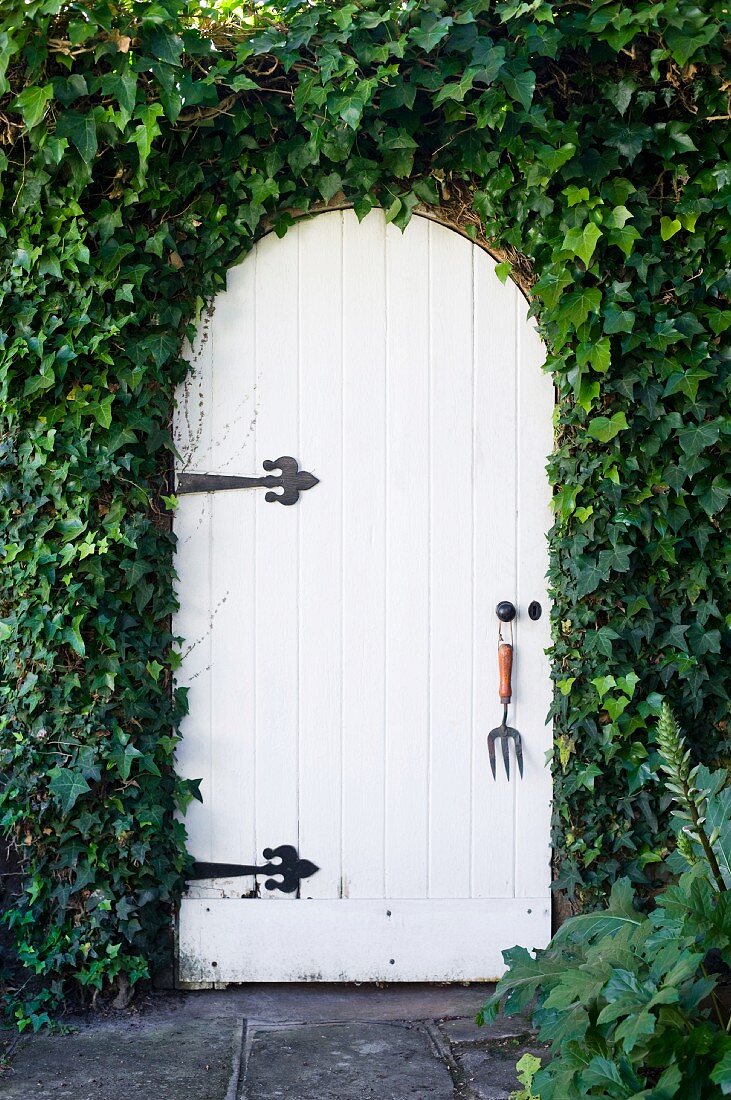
(291, 869)
(293, 480)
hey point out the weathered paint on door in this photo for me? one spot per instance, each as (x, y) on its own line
(341, 653)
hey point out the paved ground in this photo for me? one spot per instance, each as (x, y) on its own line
(273, 1042)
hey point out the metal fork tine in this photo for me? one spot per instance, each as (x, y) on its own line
(504, 741)
(491, 752)
(519, 753)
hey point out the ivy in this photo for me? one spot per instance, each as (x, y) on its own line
(145, 148)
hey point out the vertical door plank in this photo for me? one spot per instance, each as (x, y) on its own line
(451, 366)
(193, 624)
(533, 681)
(320, 525)
(277, 661)
(495, 488)
(407, 579)
(233, 711)
(364, 612)
(192, 429)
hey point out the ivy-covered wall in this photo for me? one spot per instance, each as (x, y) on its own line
(145, 146)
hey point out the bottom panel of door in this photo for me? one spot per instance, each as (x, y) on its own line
(248, 940)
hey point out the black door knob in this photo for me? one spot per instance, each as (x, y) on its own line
(505, 611)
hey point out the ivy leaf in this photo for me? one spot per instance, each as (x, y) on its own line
(162, 346)
(629, 140)
(102, 411)
(6, 631)
(430, 32)
(669, 227)
(148, 129)
(601, 355)
(716, 496)
(683, 43)
(123, 86)
(618, 320)
(578, 304)
(620, 94)
(556, 158)
(624, 239)
(164, 45)
(589, 579)
(603, 684)
(520, 86)
(605, 428)
(582, 242)
(32, 103)
(329, 185)
(124, 757)
(80, 129)
(695, 439)
(67, 786)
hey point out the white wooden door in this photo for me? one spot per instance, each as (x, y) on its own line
(340, 653)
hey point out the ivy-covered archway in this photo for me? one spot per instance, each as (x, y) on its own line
(146, 146)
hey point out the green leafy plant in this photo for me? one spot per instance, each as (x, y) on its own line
(527, 1066)
(145, 148)
(628, 1000)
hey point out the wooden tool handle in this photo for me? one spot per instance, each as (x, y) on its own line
(505, 668)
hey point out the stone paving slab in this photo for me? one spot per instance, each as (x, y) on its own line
(289, 1043)
(175, 1060)
(345, 1062)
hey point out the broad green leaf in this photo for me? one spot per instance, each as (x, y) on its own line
(592, 926)
(581, 242)
(67, 786)
(430, 32)
(721, 1074)
(603, 684)
(520, 85)
(601, 355)
(618, 320)
(556, 158)
(629, 140)
(624, 239)
(575, 195)
(715, 498)
(102, 411)
(80, 129)
(6, 630)
(164, 45)
(148, 129)
(620, 94)
(329, 185)
(698, 437)
(588, 393)
(605, 1074)
(32, 103)
(669, 227)
(123, 86)
(617, 217)
(605, 428)
(578, 304)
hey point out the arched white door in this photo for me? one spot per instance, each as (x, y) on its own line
(340, 653)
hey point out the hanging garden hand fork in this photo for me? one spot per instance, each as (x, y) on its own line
(504, 731)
